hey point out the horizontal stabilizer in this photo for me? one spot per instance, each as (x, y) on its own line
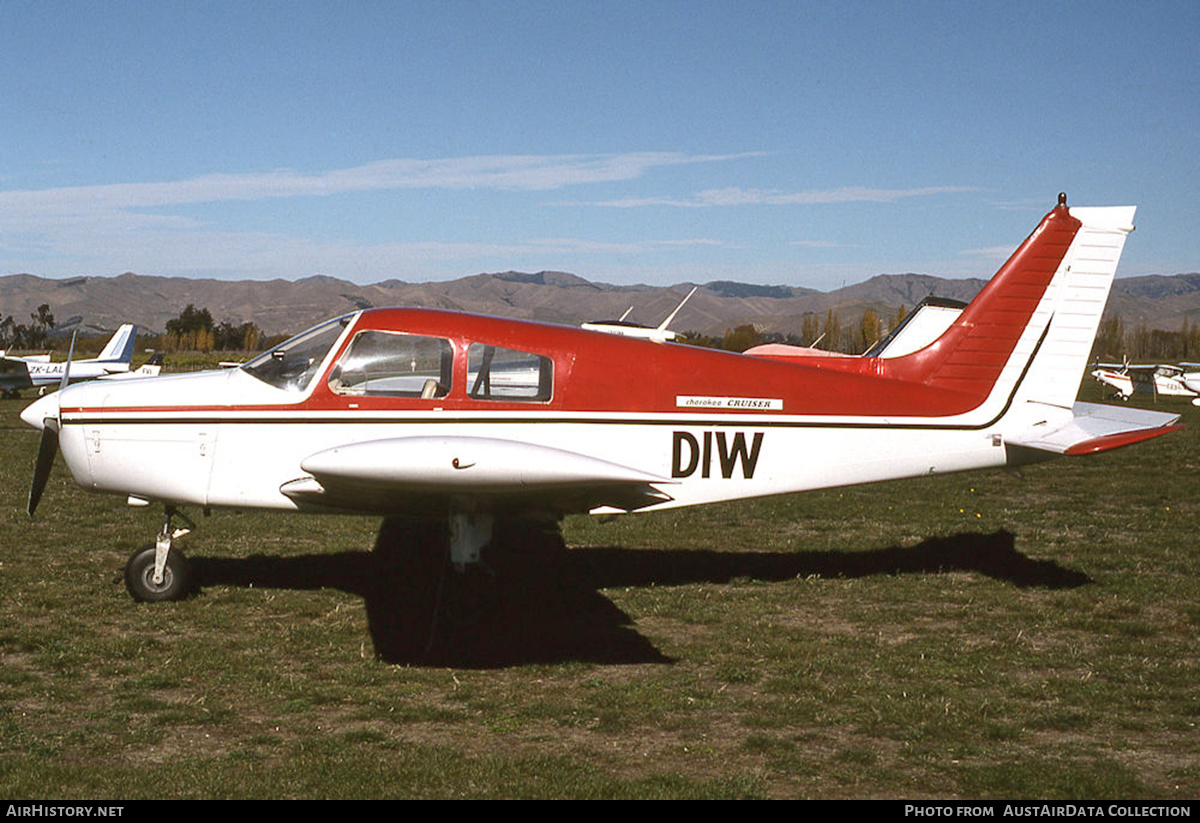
(1095, 428)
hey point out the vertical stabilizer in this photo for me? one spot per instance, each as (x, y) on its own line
(119, 348)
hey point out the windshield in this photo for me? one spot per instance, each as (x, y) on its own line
(292, 365)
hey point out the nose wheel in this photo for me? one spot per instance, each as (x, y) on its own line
(175, 583)
(160, 572)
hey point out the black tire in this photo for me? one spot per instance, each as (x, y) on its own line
(139, 574)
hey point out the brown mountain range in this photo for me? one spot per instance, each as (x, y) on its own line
(94, 305)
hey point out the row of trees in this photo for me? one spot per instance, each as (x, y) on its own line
(194, 330)
(1116, 340)
(849, 338)
(828, 333)
(14, 335)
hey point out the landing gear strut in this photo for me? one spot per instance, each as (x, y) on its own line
(462, 597)
(156, 573)
(469, 533)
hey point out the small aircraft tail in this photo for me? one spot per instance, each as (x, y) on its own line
(1019, 350)
(1030, 329)
(119, 348)
(152, 367)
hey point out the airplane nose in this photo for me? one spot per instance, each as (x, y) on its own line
(36, 412)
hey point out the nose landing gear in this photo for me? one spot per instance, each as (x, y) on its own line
(160, 572)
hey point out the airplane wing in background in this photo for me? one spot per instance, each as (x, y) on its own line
(14, 376)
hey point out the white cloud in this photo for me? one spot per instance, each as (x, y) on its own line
(125, 225)
(145, 226)
(734, 196)
(526, 173)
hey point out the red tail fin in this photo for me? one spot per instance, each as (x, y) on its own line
(971, 354)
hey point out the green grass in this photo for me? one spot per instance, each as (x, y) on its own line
(970, 636)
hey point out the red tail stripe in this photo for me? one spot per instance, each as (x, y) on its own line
(971, 354)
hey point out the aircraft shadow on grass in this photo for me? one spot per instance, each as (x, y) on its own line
(541, 603)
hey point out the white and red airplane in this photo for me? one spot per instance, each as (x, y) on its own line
(469, 418)
(1155, 379)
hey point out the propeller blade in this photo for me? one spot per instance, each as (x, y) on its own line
(48, 445)
(47, 449)
(67, 368)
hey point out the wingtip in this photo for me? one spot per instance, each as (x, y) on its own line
(1116, 441)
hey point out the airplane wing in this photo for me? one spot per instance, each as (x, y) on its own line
(1131, 367)
(1093, 428)
(14, 375)
(408, 471)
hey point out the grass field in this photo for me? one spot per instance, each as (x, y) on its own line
(969, 636)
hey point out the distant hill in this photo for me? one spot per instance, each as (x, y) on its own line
(96, 305)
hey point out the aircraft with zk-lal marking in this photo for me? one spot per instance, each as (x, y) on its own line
(471, 419)
(37, 371)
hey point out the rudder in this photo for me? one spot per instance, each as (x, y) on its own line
(1074, 303)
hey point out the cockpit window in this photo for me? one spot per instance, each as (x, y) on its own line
(390, 364)
(495, 373)
(291, 365)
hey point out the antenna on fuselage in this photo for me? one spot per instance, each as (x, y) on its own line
(663, 326)
(621, 327)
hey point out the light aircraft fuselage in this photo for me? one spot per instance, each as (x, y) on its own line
(420, 412)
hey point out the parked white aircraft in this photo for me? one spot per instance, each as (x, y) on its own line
(1155, 379)
(625, 328)
(36, 371)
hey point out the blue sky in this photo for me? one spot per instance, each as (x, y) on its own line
(802, 143)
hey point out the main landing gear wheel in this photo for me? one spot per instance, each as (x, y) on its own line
(139, 576)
